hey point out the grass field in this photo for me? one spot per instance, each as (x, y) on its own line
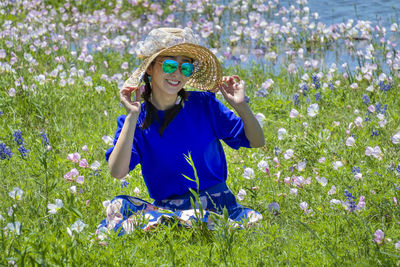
(331, 160)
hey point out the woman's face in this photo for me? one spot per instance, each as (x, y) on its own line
(168, 83)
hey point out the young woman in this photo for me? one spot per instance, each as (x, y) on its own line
(172, 124)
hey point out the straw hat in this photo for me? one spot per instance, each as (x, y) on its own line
(207, 73)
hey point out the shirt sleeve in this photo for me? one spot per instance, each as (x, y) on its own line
(226, 125)
(135, 158)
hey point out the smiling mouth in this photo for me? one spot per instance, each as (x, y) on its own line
(173, 83)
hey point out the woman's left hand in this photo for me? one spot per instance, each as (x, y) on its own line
(232, 88)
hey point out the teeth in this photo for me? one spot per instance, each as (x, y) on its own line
(173, 82)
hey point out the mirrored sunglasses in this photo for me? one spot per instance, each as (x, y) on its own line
(170, 66)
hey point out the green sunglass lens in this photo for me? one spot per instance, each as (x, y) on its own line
(187, 69)
(169, 66)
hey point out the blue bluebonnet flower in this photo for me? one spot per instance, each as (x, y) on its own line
(277, 151)
(378, 107)
(356, 170)
(366, 99)
(304, 88)
(316, 81)
(1, 112)
(296, 100)
(24, 152)
(384, 87)
(45, 140)
(95, 172)
(367, 118)
(124, 184)
(317, 96)
(377, 173)
(18, 137)
(398, 168)
(5, 152)
(374, 133)
(331, 86)
(384, 108)
(350, 200)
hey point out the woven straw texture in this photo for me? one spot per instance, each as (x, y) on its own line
(207, 73)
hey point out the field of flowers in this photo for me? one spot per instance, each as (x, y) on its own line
(327, 181)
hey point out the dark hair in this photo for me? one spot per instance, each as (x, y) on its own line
(151, 111)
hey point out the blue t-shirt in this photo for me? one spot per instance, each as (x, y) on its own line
(197, 129)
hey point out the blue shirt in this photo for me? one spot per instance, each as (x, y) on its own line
(197, 129)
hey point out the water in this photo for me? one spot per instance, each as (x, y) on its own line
(383, 12)
(332, 12)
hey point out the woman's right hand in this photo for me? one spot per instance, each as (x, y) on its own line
(132, 107)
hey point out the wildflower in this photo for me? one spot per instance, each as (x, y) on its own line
(95, 165)
(350, 200)
(354, 86)
(322, 180)
(274, 207)
(248, 173)
(358, 122)
(14, 227)
(374, 133)
(317, 96)
(397, 245)
(296, 100)
(281, 133)
(124, 184)
(18, 137)
(379, 236)
(277, 151)
(78, 226)
(293, 113)
(100, 89)
(69, 176)
(337, 164)
(293, 191)
(74, 157)
(108, 140)
(375, 152)
(45, 140)
(136, 191)
(80, 179)
(331, 86)
(335, 202)
(289, 154)
(73, 189)
(350, 141)
(23, 151)
(16, 193)
(267, 84)
(366, 99)
(361, 203)
(316, 82)
(241, 194)
(260, 118)
(395, 138)
(83, 163)
(85, 148)
(301, 166)
(5, 151)
(263, 165)
(321, 159)
(304, 207)
(312, 110)
(53, 208)
(332, 190)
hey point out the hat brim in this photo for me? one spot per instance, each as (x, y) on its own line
(207, 73)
